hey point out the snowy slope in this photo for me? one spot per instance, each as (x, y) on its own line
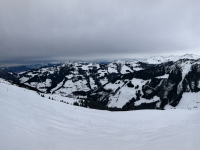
(188, 101)
(30, 122)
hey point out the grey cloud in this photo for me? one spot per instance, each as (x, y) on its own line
(35, 30)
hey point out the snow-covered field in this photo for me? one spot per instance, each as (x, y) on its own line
(31, 122)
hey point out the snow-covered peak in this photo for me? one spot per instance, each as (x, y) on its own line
(162, 59)
(155, 60)
(189, 56)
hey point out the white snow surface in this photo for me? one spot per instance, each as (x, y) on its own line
(189, 101)
(125, 69)
(70, 87)
(24, 79)
(112, 70)
(166, 76)
(142, 100)
(92, 83)
(104, 81)
(124, 94)
(30, 122)
(121, 97)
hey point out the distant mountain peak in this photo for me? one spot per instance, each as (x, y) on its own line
(190, 56)
(162, 59)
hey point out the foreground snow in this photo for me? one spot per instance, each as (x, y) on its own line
(31, 122)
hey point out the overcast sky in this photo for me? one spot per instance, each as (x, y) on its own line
(47, 30)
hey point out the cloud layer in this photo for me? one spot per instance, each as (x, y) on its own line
(37, 30)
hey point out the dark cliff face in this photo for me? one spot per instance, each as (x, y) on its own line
(117, 85)
(8, 76)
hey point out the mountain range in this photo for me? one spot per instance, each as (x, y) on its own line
(153, 83)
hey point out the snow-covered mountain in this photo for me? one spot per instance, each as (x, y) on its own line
(77, 76)
(152, 88)
(119, 85)
(29, 121)
(173, 58)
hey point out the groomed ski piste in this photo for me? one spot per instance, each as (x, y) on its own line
(31, 122)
